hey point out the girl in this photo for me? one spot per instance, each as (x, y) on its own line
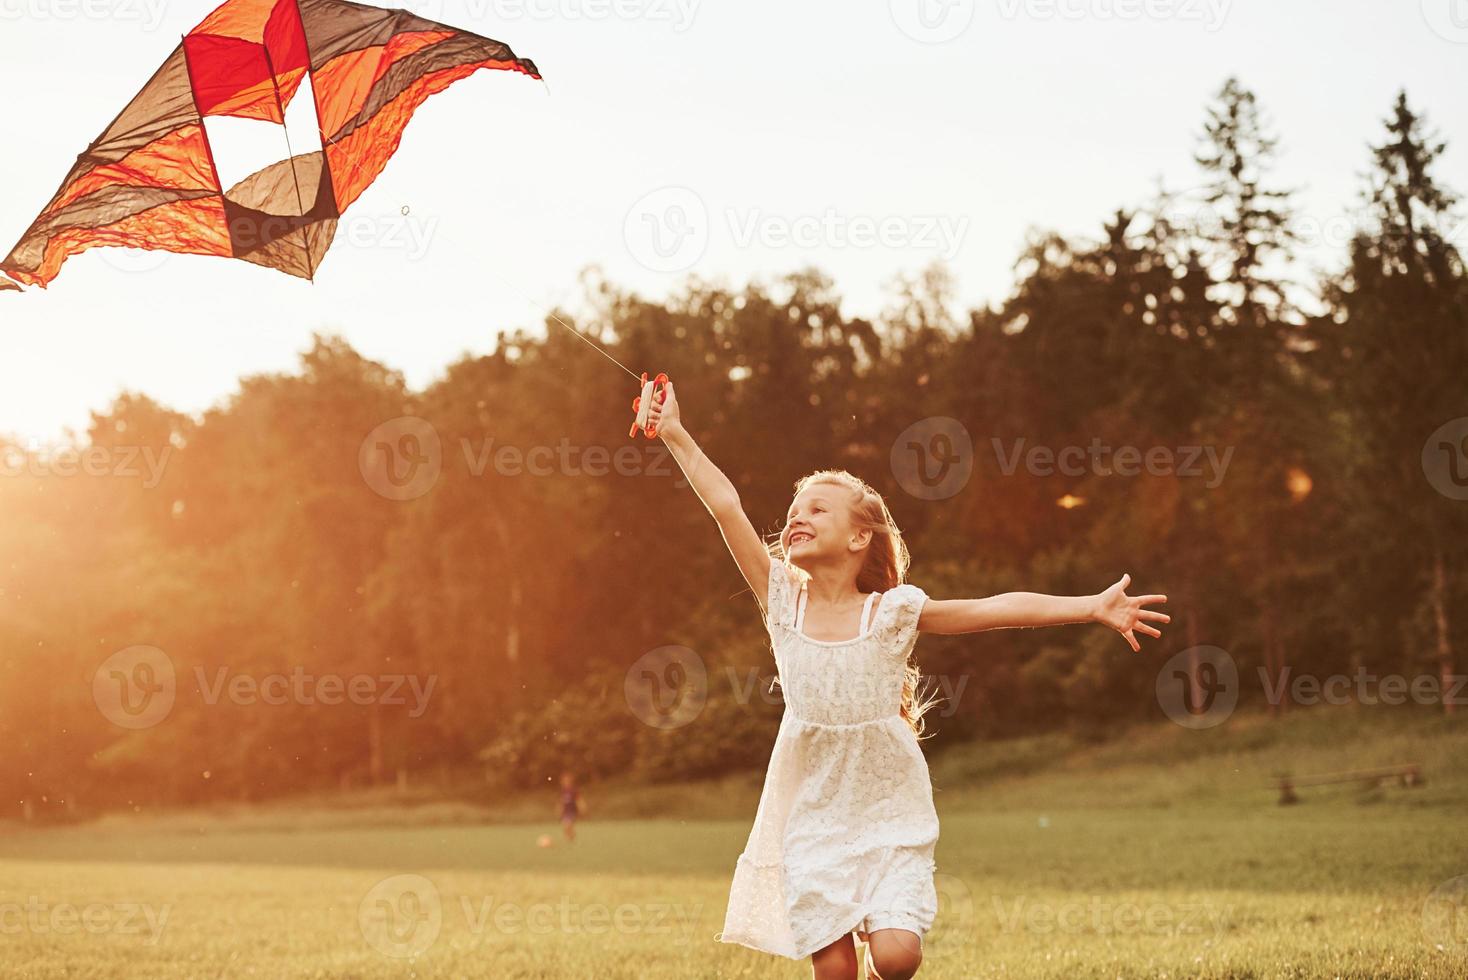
(843, 839)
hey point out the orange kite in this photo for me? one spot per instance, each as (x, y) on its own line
(150, 180)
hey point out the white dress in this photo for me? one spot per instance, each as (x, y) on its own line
(844, 836)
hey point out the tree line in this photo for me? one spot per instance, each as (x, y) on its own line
(333, 580)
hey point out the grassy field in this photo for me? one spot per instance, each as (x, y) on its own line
(1162, 854)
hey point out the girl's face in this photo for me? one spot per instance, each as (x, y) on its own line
(819, 523)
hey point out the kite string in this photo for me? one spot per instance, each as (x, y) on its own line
(596, 346)
(572, 329)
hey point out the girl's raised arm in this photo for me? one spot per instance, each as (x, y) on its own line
(1113, 608)
(717, 493)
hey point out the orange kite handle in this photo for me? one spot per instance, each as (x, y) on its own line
(649, 390)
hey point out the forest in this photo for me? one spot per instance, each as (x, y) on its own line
(334, 581)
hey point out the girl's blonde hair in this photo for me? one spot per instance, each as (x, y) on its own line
(884, 568)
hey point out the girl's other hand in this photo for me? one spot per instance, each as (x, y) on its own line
(1126, 615)
(665, 414)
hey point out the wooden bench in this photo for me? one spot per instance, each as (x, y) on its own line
(1407, 776)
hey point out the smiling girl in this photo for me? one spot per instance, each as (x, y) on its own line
(844, 836)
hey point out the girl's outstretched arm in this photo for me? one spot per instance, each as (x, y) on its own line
(716, 492)
(1113, 608)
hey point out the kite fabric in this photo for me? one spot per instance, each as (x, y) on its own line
(150, 180)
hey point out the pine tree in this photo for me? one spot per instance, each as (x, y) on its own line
(1401, 361)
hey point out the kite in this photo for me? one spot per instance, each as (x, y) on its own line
(150, 180)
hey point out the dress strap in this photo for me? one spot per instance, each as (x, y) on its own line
(866, 614)
(800, 608)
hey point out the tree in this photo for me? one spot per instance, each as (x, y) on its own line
(1399, 359)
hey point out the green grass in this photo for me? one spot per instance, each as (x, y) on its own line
(1160, 854)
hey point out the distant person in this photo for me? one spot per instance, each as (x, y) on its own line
(572, 805)
(844, 835)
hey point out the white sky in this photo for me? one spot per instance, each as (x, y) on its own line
(743, 120)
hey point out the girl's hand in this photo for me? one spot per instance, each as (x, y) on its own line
(1125, 614)
(665, 414)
